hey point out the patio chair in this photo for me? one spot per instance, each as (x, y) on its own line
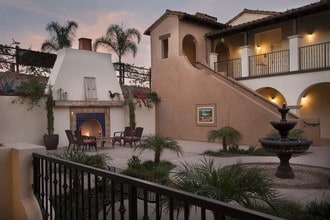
(84, 141)
(118, 136)
(71, 139)
(134, 137)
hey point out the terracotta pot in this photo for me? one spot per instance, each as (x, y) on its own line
(51, 141)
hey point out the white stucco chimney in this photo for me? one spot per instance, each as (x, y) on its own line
(85, 44)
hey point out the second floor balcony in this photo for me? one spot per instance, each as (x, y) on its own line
(309, 58)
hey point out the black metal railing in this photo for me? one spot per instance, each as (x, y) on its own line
(133, 75)
(314, 56)
(269, 63)
(232, 67)
(15, 59)
(68, 190)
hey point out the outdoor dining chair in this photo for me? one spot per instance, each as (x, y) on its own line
(85, 142)
(71, 139)
(133, 137)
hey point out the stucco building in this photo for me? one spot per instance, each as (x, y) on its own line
(240, 72)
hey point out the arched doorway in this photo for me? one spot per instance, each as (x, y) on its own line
(314, 102)
(272, 95)
(222, 59)
(189, 48)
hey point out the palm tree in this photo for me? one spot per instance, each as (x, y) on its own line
(247, 186)
(158, 144)
(60, 36)
(226, 133)
(121, 42)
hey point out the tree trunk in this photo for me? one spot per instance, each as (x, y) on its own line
(224, 143)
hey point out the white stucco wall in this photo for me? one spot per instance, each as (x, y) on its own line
(18, 124)
(62, 123)
(290, 86)
(73, 65)
(144, 117)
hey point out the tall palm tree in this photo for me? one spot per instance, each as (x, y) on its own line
(158, 144)
(226, 134)
(247, 186)
(60, 36)
(121, 42)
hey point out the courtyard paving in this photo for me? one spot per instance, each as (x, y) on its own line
(318, 156)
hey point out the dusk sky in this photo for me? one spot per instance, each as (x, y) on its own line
(25, 20)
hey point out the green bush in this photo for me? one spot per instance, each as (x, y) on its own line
(148, 170)
(98, 160)
(319, 210)
(31, 91)
(234, 150)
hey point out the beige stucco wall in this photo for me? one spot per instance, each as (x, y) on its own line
(17, 199)
(182, 87)
(176, 114)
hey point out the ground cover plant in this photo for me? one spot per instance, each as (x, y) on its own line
(234, 150)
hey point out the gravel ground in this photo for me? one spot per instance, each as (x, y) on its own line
(306, 177)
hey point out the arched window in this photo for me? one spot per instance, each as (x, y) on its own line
(189, 48)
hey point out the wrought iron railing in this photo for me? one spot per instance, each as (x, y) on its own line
(68, 190)
(230, 67)
(133, 75)
(269, 63)
(15, 59)
(314, 56)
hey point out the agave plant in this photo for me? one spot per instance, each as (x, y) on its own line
(246, 186)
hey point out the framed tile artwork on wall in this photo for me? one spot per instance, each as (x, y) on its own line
(206, 115)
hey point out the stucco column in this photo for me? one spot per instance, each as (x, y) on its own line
(24, 204)
(294, 52)
(246, 51)
(213, 59)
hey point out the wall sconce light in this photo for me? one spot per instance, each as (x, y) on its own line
(303, 100)
(310, 35)
(258, 47)
(272, 99)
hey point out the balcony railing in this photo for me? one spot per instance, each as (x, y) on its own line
(314, 56)
(269, 63)
(311, 57)
(231, 67)
(67, 190)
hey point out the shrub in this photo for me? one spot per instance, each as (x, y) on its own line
(319, 210)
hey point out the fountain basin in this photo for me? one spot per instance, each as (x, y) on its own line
(288, 145)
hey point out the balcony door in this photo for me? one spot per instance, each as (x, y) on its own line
(223, 57)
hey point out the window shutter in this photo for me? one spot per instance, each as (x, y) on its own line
(90, 88)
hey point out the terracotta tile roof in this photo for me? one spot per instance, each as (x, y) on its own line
(200, 18)
(249, 11)
(322, 5)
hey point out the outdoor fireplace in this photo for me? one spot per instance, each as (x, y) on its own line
(92, 121)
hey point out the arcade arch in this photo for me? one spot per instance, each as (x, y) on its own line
(272, 94)
(314, 102)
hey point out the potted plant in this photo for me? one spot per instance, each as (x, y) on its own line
(50, 139)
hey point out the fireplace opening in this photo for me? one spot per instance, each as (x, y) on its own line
(91, 123)
(91, 127)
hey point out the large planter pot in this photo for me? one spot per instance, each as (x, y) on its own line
(51, 141)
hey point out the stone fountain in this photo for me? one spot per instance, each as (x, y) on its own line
(284, 146)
